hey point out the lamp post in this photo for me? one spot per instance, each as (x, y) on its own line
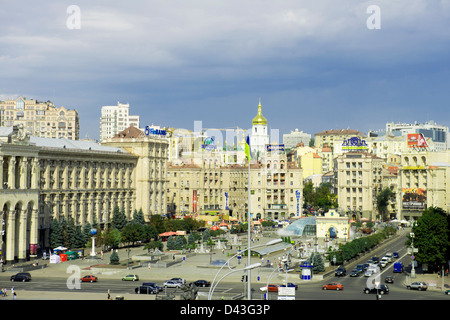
(271, 242)
(247, 268)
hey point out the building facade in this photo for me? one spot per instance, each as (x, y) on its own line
(358, 180)
(45, 179)
(423, 180)
(115, 119)
(41, 119)
(152, 153)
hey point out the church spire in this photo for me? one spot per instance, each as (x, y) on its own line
(259, 119)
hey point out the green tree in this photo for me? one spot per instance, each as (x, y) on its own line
(132, 233)
(113, 238)
(431, 238)
(170, 243)
(138, 217)
(119, 220)
(382, 199)
(56, 236)
(114, 258)
(157, 221)
(317, 261)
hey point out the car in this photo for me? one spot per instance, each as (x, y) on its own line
(375, 259)
(389, 279)
(341, 271)
(270, 288)
(447, 292)
(180, 280)
(360, 268)
(381, 289)
(368, 273)
(421, 286)
(333, 286)
(395, 254)
(89, 278)
(152, 284)
(354, 273)
(290, 285)
(131, 277)
(202, 283)
(172, 284)
(365, 266)
(21, 276)
(384, 262)
(146, 290)
(389, 256)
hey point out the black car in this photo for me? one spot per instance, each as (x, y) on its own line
(146, 290)
(354, 273)
(389, 279)
(152, 284)
(202, 283)
(22, 276)
(340, 272)
(382, 289)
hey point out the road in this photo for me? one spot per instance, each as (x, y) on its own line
(353, 286)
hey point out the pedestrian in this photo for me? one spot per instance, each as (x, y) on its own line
(14, 296)
(109, 295)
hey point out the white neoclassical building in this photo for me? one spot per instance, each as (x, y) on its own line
(44, 179)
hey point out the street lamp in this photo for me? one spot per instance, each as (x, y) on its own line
(247, 268)
(271, 242)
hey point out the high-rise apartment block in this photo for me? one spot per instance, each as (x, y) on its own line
(40, 119)
(115, 119)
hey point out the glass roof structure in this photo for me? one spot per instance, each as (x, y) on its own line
(303, 227)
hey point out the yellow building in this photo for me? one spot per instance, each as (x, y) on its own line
(41, 119)
(423, 180)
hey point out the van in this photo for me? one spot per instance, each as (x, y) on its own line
(398, 267)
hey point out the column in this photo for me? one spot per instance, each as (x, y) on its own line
(12, 173)
(10, 232)
(22, 215)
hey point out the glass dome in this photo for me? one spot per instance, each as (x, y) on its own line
(303, 227)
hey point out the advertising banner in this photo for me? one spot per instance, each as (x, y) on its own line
(414, 198)
(416, 140)
(194, 201)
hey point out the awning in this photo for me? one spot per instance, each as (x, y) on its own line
(168, 234)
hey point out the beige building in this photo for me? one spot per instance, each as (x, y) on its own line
(45, 179)
(358, 180)
(151, 168)
(423, 180)
(211, 191)
(41, 119)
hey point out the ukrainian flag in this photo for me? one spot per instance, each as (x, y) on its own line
(248, 152)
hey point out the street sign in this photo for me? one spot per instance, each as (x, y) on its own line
(286, 293)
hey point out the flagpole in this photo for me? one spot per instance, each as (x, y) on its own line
(249, 290)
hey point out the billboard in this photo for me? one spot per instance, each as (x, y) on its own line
(416, 140)
(414, 198)
(354, 143)
(194, 201)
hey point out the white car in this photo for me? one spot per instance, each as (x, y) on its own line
(172, 284)
(368, 273)
(384, 262)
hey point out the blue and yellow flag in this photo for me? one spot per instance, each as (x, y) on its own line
(248, 151)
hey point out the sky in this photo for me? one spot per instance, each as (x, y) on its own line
(315, 65)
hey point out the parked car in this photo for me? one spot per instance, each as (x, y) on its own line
(21, 276)
(89, 278)
(421, 286)
(290, 285)
(341, 271)
(382, 289)
(172, 284)
(333, 286)
(146, 290)
(202, 283)
(152, 284)
(131, 277)
(389, 279)
(270, 288)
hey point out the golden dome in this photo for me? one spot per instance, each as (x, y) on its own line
(259, 119)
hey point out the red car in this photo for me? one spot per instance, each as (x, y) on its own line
(89, 278)
(271, 288)
(333, 286)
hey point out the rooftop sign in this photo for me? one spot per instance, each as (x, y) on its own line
(354, 143)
